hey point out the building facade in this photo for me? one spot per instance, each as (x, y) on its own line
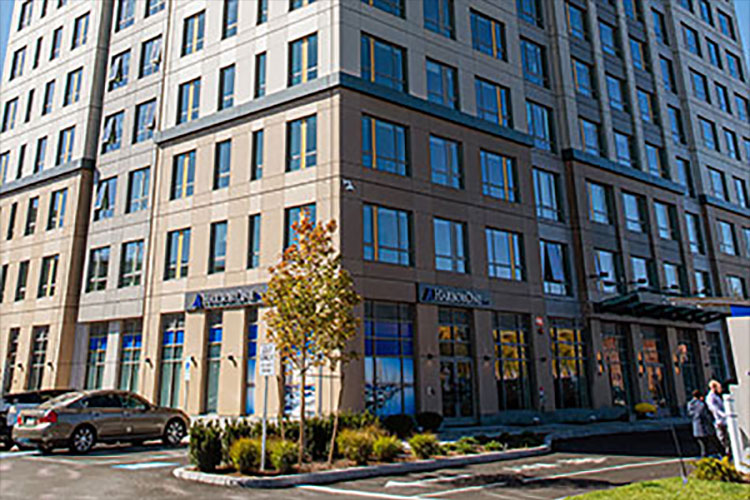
(522, 191)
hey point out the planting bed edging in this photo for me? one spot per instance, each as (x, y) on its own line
(352, 473)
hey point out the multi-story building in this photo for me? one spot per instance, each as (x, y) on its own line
(522, 189)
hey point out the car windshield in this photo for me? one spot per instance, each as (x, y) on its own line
(61, 399)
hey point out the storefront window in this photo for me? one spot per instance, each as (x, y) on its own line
(173, 336)
(716, 356)
(618, 363)
(130, 356)
(213, 360)
(96, 355)
(687, 358)
(511, 336)
(569, 365)
(456, 362)
(252, 349)
(654, 364)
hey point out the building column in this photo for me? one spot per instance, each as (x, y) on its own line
(640, 386)
(484, 357)
(353, 394)
(23, 359)
(703, 361)
(112, 356)
(427, 359)
(80, 353)
(194, 352)
(233, 363)
(673, 372)
(541, 364)
(601, 392)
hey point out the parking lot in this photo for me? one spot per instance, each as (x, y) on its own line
(115, 472)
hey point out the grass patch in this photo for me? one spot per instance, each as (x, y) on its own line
(673, 488)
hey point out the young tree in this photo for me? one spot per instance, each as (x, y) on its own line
(311, 301)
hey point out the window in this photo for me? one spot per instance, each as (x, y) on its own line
(644, 277)
(389, 358)
(38, 355)
(702, 283)
(493, 102)
(530, 11)
(733, 149)
(700, 86)
(387, 235)
(24, 18)
(3, 280)
(11, 355)
(455, 346)
(383, 63)
(125, 14)
(112, 133)
(654, 161)
(291, 217)
(170, 377)
(262, 16)
(684, 175)
(217, 256)
(118, 70)
(725, 24)
(690, 37)
(746, 234)
(439, 17)
(229, 22)
(384, 146)
(395, 7)
(740, 188)
(445, 162)
(665, 221)
(533, 60)
(253, 243)
(667, 75)
(450, 244)
(29, 106)
(4, 167)
(104, 204)
(540, 125)
(130, 354)
(138, 190)
(635, 213)
(9, 114)
(694, 233)
(705, 9)
(511, 333)
(660, 27)
(54, 51)
(576, 22)
(49, 95)
(646, 106)
(65, 145)
(631, 10)
(80, 30)
(616, 96)
(73, 87)
(98, 267)
(154, 7)
(131, 264)
(37, 53)
(150, 57)
(582, 78)
(708, 134)
(638, 54)
(11, 221)
(590, 137)
(608, 274)
(743, 107)
(713, 53)
(504, 254)
(32, 211)
(303, 60)
(226, 87)
(21, 159)
(260, 74)
(252, 350)
(145, 121)
(498, 176)
(675, 122)
(442, 84)
(727, 238)
(48, 276)
(192, 33)
(296, 4)
(736, 287)
(600, 204)
(178, 254)
(257, 161)
(214, 320)
(488, 36)
(673, 278)
(734, 66)
(607, 38)
(623, 150)
(718, 184)
(16, 67)
(183, 175)
(546, 195)
(301, 144)
(56, 214)
(555, 272)
(222, 163)
(23, 276)
(189, 99)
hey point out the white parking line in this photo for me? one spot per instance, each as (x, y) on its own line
(423, 482)
(602, 469)
(356, 493)
(467, 488)
(17, 454)
(146, 465)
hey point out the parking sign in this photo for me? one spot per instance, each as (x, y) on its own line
(267, 356)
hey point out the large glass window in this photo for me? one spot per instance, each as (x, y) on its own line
(600, 204)
(65, 144)
(56, 216)
(445, 162)
(39, 339)
(438, 17)
(702, 283)
(493, 102)
(222, 163)
(72, 87)
(590, 137)
(455, 338)
(635, 213)
(555, 271)
(727, 238)
(533, 61)
(229, 21)
(488, 36)
(96, 357)
(384, 146)
(292, 217)
(170, 369)
(226, 87)
(395, 7)
(189, 101)
(303, 60)
(48, 276)
(387, 235)
(32, 211)
(450, 246)
(106, 194)
(442, 84)
(260, 74)
(119, 70)
(130, 355)
(150, 57)
(608, 272)
(213, 361)
(253, 243)
(665, 220)
(138, 190)
(583, 78)
(183, 175)
(302, 144)
(716, 356)
(694, 233)
(96, 279)
(511, 334)
(568, 347)
(131, 264)
(655, 365)
(145, 121)
(576, 22)
(718, 184)
(256, 167)
(112, 133)
(498, 176)
(125, 14)
(217, 255)
(623, 150)
(80, 31)
(177, 255)
(644, 274)
(736, 287)
(11, 354)
(540, 125)
(192, 33)
(616, 354)
(383, 63)
(252, 352)
(505, 257)
(546, 195)
(674, 281)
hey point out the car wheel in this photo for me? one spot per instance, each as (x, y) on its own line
(5, 446)
(45, 449)
(137, 442)
(82, 440)
(174, 432)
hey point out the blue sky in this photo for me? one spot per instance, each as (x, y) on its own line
(742, 6)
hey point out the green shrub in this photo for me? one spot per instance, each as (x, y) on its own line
(387, 448)
(244, 454)
(205, 446)
(318, 432)
(495, 446)
(283, 455)
(711, 469)
(424, 445)
(355, 445)
(401, 425)
(233, 431)
(467, 445)
(429, 421)
(349, 420)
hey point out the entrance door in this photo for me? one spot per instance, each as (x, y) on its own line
(617, 359)
(456, 363)
(655, 365)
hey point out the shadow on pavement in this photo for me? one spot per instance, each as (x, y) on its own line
(529, 482)
(652, 444)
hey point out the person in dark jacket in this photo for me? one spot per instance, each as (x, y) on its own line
(703, 428)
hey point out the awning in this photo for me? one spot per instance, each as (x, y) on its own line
(652, 305)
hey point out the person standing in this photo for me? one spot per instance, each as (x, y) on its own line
(716, 406)
(702, 428)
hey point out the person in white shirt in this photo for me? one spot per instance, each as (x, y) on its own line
(715, 405)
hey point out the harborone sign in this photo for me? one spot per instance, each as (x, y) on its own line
(450, 296)
(222, 298)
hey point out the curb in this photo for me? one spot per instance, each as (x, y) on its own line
(352, 473)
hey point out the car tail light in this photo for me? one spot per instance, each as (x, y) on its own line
(19, 420)
(48, 418)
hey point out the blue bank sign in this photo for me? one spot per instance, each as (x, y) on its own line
(450, 296)
(221, 298)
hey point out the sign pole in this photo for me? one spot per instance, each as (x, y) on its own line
(265, 415)
(267, 369)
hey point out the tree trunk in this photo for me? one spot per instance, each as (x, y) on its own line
(336, 419)
(282, 401)
(301, 417)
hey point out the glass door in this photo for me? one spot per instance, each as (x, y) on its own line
(456, 363)
(655, 366)
(618, 363)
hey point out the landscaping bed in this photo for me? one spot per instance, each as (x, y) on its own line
(672, 488)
